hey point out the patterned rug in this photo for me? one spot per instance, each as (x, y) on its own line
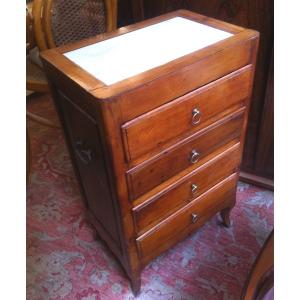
(67, 260)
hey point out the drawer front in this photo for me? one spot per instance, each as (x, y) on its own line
(190, 187)
(186, 154)
(188, 219)
(187, 114)
(168, 87)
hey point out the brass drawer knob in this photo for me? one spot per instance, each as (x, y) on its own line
(195, 155)
(194, 218)
(194, 188)
(196, 116)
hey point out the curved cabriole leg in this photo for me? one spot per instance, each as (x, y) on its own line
(135, 285)
(225, 215)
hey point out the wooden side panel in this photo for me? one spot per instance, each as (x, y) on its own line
(150, 174)
(87, 150)
(192, 186)
(187, 114)
(187, 220)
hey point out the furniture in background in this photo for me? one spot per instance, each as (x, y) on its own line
(52, 23)
(35, 77)
(35, 82)
(155, 121)
(261, 278)
(59, 22)
(258, 158)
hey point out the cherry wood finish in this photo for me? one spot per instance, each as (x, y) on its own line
(168, 200)
(180, 156)
(138, 193)
(258, 158)
(228, 59)
(195, 110)
(187, 219)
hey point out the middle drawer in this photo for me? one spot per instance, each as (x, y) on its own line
(186, 154)
(163, 204)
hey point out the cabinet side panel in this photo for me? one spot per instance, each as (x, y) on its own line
(82, 132)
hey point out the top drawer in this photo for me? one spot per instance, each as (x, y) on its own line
(153, 131)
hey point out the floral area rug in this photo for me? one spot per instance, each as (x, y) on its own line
(67, 260)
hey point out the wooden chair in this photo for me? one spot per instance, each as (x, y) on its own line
(52, 23)
(35, 79)
(66, 21)
(261, 278)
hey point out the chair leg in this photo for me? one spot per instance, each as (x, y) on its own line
(41, 120)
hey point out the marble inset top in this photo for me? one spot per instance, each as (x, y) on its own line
(129, 54)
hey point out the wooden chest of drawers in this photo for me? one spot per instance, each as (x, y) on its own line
(155, 115)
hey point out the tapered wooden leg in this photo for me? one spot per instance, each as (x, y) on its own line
(225, 215)
(135, 285)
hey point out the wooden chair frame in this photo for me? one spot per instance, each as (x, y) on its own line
(41, 16)
(42, 24)
(260, 279)
(31, 42)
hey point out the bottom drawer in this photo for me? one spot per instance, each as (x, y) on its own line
(187, 219)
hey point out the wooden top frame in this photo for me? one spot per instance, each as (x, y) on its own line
(54, 58)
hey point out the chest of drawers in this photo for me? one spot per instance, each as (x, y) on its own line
(154, 115)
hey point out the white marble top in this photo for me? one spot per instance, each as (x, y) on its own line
(132, 53)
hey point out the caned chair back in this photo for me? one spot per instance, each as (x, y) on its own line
(59, 22)
(52, 23)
